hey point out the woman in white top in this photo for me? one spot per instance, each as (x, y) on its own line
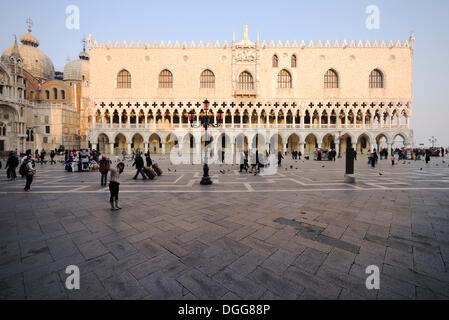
(114, 184)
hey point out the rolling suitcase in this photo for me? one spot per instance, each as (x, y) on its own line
(157, 169)
(149, 173)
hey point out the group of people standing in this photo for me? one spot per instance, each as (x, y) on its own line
(26, 164)
(81, 160)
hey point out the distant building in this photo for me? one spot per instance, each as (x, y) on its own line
(292, 96)
(38, 109)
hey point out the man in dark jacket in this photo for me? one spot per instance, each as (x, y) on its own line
(138, 162)
(148, 158)
(52, 157)
(11, 166)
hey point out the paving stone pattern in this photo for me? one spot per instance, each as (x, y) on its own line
(298, 234)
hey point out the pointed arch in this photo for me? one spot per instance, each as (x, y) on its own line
(331, 79)
(284, 79)
(166, 79)
(376, 79)
(207, 79)
(124, 79)
(275, 61)
(246, 81)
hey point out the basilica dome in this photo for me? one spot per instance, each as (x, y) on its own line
(34, 60)
(77, 70)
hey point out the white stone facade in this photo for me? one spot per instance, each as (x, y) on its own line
(305, 107)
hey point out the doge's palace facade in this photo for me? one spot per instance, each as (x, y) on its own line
(304, 94)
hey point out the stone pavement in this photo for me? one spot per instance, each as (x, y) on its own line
(301, 233)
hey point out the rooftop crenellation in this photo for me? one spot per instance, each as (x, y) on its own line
(302, 44)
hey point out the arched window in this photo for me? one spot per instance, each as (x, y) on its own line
(331, 79)
(62, 94)
(207, 79)
(165, 79)
(124, 80)
(275, 61)
(55, 93)
(2, 129)
(47, 94)
(284, 79)
(30, 135)
(293, 61)
(376, 79)
(246, 81)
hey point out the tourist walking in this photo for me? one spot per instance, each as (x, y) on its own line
(11, 166)
(148, 159)
(243, 166)
(373, 158)
(114, 185)
(138, 162)
(43, 154)
(104, 169)
(280, 157)
(29, 172)
(52, 157)
(427, 156)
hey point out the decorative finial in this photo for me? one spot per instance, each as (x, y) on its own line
(84, 42)
(29, 23)
(245, 32)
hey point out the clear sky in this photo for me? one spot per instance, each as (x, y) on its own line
(275, 20)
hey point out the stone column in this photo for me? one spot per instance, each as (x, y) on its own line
(146, 147)
(197, 158)
(232, 152)
(389, 145)
(180, 146)
(302, 121)
(284, 145)
(129, 148)
(337, 147)
(111, 149)
(301, 147)
(94, 146)
(163, 148)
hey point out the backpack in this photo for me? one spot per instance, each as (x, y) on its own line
(23, 169)
(104, 166)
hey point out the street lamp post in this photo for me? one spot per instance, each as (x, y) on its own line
(205, 122)
(433, 140)
(339, 144)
